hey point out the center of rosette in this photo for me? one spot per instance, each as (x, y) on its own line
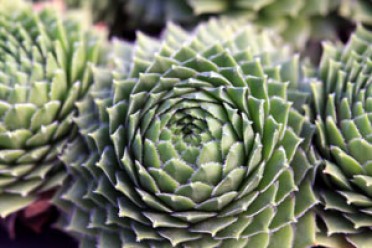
(188, 126)
(191, 152)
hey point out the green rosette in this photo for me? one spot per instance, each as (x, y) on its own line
(44, 70)
(342, 109)
(192, 142)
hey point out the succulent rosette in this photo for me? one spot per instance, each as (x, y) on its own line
(342, 110)
(192, 142)
(44, 69)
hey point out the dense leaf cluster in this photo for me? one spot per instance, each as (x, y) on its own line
(221, 136)
(191, 142)
(44, 70)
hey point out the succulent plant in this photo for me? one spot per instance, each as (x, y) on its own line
(195, 145)
(44, 69)
(342, 109)
(296, 20)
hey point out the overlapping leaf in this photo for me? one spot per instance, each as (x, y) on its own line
(342, 112)
(43, 71)
(194, 145)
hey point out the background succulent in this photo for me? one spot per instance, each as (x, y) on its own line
(359, 10)
(195, 145)
(95, 10)
(44, 69)
(342, 110)
(124, 17)
(295, 20)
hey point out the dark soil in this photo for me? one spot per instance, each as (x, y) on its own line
(50, 238)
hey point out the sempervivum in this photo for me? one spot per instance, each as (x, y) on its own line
(43, 71)
(342, 109)
(195, 145)
(295, 20)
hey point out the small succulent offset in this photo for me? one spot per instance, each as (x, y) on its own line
(44, 69)
(194, 145)
(342, 108)
(295, 20)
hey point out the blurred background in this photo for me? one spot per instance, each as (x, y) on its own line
(303, 23)
(49, 238)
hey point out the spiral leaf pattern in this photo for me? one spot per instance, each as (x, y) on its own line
(342, 111)
(43, 71)
(192, 142)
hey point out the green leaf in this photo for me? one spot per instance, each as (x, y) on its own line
(19, 116)
(179, 170)
(348, 164)
(360, 150)
(177, 202)
(210, 173)
(284, 237)
(150, 155)
(196, 191)
(214, 225)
